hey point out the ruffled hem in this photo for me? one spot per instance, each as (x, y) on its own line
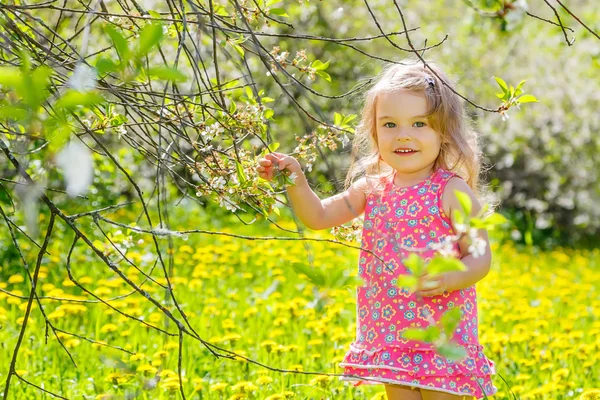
(491, 390)
(424, 361)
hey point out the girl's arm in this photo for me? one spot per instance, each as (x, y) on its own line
(313, 212)
(477, 267)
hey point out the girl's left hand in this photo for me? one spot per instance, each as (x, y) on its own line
(431, 285)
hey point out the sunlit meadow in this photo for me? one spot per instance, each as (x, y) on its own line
(539, 319)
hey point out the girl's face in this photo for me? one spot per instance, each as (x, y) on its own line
(401, 125)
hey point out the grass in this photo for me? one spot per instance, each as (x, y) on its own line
(538, 319)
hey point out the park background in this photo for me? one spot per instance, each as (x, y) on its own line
(130, 132)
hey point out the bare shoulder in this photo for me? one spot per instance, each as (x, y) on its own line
(450, 200)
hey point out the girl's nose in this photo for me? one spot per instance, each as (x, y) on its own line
(403, 134)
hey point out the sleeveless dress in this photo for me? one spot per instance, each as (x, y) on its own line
(411, 217)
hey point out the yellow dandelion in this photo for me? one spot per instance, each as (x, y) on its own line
(268, 344)
(590, 394)
(198, 384)
(228, 324)
(275, 397)
(161, 354)
(321, 380)
(250, 312)
(559, 374)
(16, 279)
(296, 367)
(244, 387)
(218, 387)
(109, 328)
(231, 337)
(56, 315)
(98, 344)
(167, 373)
(74, 342)
(146, 369)
(264, 380)
(155, 317)
(137, 357)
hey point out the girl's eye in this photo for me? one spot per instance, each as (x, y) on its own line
(419, 124)
(389, 123)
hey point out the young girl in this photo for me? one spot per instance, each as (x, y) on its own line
(419, 151)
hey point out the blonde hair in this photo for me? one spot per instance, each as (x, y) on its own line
(460, 150)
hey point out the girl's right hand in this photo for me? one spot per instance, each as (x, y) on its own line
(266, 168)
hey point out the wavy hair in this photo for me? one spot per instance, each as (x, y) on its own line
(460, 149)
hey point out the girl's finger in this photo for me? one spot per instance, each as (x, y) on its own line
(264, 161)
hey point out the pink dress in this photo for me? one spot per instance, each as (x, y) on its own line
(411, 217)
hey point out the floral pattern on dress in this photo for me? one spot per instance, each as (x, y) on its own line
(402, 218)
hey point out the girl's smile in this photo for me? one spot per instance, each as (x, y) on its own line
(405, 138)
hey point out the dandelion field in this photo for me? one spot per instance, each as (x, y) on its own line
(538, 315)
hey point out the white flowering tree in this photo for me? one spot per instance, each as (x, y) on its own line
(194, 89)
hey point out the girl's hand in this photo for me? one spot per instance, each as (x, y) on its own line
(266, 168)
(431, 285)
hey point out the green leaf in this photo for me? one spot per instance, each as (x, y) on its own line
(16, 113)
(407, 281)
(105, 66)
(440, 264)
(324, 75)
(249, 93)
(119, 41)
(465, 201)
(502, 84)
(58, 137)
(337, 119)
(268, 114)
(278, 11)
(167, 73)
(319, 65)
(495, 219)
(414, 334)
(240, 173)
(154, 14)
(348, 119)
(452, 351)
(432, 333)
(150, 35)
(450, 319)
(5, 197)
(73, 98)
(10, 77)
(458, 216)
(316, 276)
(415, 264)
(527, 98)
(274, 146)
(239, 49)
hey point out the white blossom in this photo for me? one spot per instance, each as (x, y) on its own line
(77, 166)
(228, 203)
(293, 176)
(83, 78)
(477, 247)
(460, 228)
(345, 140)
